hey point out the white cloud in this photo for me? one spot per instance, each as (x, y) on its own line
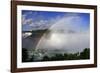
(35, 23)
(24, 20)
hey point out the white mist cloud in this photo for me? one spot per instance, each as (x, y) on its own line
(74, 38)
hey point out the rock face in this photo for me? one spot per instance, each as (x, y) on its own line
(30, 41)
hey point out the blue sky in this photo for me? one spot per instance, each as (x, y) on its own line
(35, 20)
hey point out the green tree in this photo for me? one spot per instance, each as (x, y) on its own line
(31, 59)
(24, 55)
(57, 57)
(85, 54)
(46, 58)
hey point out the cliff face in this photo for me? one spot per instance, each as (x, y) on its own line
(30, 41)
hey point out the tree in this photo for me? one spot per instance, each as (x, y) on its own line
(57, 57)
(46, 58)
(24, 55)
(31, 59)
(85, 54)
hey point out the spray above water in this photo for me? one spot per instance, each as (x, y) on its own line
(64, 36)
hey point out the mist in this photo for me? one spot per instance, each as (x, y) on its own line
(66, 35)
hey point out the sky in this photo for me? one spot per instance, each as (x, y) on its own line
(75, 26)
(34, 20)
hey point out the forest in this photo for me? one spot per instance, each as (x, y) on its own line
(85, 54)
